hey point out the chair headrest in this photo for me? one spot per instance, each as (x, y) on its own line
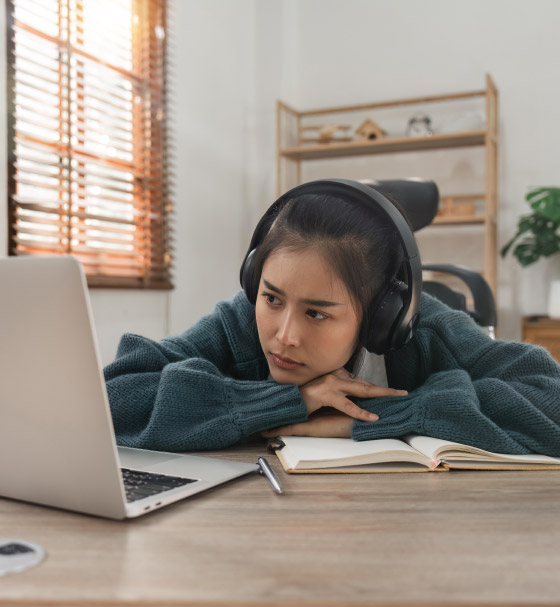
(418, 198)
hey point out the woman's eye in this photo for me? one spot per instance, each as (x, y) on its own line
(316, 315)
(271, 299)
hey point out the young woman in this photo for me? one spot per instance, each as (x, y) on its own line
(319, 343)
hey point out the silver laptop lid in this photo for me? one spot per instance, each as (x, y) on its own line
(57, 445)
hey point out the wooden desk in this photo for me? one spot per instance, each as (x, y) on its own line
(458, 538)
(543, 331)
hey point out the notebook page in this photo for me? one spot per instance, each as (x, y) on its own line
(304, 448)
(430, 446)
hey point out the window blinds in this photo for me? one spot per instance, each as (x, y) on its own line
(87, 143)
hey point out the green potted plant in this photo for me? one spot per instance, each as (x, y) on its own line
(538, 233)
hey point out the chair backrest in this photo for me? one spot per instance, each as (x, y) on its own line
(419, 199)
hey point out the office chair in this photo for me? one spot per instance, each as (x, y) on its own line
(419, 199)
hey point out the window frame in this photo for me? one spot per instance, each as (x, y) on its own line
(151, 251)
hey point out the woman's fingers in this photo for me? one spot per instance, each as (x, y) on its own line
(332, 390)
(369, 390)
(364, 389)
(351, 409)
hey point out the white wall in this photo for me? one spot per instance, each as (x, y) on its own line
(213, 84)
(231, 63)
(232, 60)
(370, 50)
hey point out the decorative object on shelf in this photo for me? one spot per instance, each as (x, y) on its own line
(459, 206)
(420, 125)
(452, 207)
(369, 130)
(538, 236)
(326, 133)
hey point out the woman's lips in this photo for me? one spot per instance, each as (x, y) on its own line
(285, 363)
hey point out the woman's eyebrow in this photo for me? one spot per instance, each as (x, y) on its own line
(320, 303)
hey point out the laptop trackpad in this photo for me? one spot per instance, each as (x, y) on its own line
(142, 458)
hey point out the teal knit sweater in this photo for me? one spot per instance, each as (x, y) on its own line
(208, 389)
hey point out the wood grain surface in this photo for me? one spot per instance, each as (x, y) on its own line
(457, 538)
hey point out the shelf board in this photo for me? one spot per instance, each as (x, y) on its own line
(385, 146)
(458, 219)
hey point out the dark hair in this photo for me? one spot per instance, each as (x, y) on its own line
(360, 245)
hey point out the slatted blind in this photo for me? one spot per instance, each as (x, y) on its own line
(87, 143)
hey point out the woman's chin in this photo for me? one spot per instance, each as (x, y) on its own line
(287, 381)
(299, 378)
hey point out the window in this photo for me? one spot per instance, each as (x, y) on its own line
(87, 137)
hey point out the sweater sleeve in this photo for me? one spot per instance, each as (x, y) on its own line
(203, 389)
(465, 387)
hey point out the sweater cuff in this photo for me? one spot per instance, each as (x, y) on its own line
(265, 405)
(397, 416)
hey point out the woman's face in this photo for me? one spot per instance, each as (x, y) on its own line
(306, 321)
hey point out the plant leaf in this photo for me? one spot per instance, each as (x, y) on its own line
(538, 234)
(545, 202)
(526, 253)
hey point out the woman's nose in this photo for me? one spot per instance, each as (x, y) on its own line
(288, 333)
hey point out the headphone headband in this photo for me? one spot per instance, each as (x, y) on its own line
(395, 313)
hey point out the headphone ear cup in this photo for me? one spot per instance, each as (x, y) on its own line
(381, 333)
(248, 280)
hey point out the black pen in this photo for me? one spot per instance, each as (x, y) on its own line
(264, 468)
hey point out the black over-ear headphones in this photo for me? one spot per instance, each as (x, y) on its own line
(395, 311)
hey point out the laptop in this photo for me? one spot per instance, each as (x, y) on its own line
(57, 443)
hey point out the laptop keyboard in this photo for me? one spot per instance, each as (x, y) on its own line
(139, 484)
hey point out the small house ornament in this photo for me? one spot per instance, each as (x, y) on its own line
(370, 130)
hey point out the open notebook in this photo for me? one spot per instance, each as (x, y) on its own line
(302, 454)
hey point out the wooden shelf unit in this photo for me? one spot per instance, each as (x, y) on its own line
(291, 154)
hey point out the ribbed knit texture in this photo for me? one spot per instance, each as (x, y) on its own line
(463, 386)
(207, 388)
(204, 389)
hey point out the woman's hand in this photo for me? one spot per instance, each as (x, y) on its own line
(332, 390)
(331, 413)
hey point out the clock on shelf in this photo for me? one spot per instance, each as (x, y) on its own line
(420, 125)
